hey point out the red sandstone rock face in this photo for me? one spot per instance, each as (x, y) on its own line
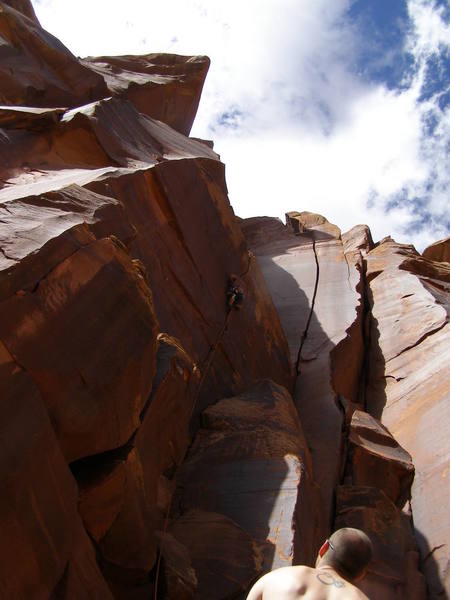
(23, 6)
(316, 290)
(124, 495)
(114, 226)
(378, 477)
(225, 558)
(409, 383)
(393, 572)
(43, 547)
(331, 381)
(439, 251)
(166, 87)
(250, 463)
(81, 145)
(94, 393)
(377, 460)
(37, 70)
(180, 579)
(356, 239)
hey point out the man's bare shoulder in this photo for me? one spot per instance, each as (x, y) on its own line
(292, 583)
(297, 573)
(287, 583)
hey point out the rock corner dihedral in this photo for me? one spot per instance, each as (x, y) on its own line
(189, 399)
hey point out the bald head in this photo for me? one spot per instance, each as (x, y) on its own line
(349, 552)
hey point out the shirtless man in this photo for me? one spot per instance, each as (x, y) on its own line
(342, 560)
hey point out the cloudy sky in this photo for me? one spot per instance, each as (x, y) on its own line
(334, 106)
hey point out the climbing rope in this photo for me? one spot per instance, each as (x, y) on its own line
(250, 257)
(305, 331)
(206, 366)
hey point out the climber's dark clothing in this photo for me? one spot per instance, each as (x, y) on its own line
(235, 292)
(235, 297)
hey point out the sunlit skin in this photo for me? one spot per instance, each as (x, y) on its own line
(321, 583)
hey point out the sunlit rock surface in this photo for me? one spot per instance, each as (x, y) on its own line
(157, 439)
(409, 384)
(316, 291)
(115, 227)
(375, 459)
(37, 70)
(250, 463)
(439, 251)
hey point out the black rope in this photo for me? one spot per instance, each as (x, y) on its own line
(207, 364)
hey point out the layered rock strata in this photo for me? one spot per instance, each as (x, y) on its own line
(346, 446)
(376, 486)
(316, 290)
(109, 228)
(393, 572)
(37, 70)
(125, 494)
(157, 439)
(439, 251)
(250, 463)
(409, 383)
(44, 546)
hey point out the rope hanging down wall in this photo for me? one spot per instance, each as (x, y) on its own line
(233, 302)
(308, 322)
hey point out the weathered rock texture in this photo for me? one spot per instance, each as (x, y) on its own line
(380, 344)
(158, 440)
(43, 543)
(316, 290)
(439, 251)
(110, 222)
(251, 452)
(375, 459)
(409, 384)
(37, 70)
(393, 572)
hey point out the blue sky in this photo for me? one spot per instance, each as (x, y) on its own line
(338, 107)
(382, 27)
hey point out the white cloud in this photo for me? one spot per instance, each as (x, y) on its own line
(333, 174)
(430, 30)
(308, 133)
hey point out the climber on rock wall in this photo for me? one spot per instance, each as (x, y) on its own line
(235, 292)
(342, 560)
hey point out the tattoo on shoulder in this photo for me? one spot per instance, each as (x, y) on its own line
(329, 579)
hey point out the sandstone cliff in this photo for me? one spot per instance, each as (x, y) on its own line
(158, 440)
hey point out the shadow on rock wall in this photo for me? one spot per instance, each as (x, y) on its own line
(430, 568)
(375, 375)
(300, 321)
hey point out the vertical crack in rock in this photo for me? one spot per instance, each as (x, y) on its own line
(91, 383)
(366, 329)
(308, 275)
(248, 468)
(407, 384)
(308, 322)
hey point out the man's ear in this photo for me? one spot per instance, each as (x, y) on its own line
(324, 547)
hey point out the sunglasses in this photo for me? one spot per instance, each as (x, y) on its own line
(325, 547)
